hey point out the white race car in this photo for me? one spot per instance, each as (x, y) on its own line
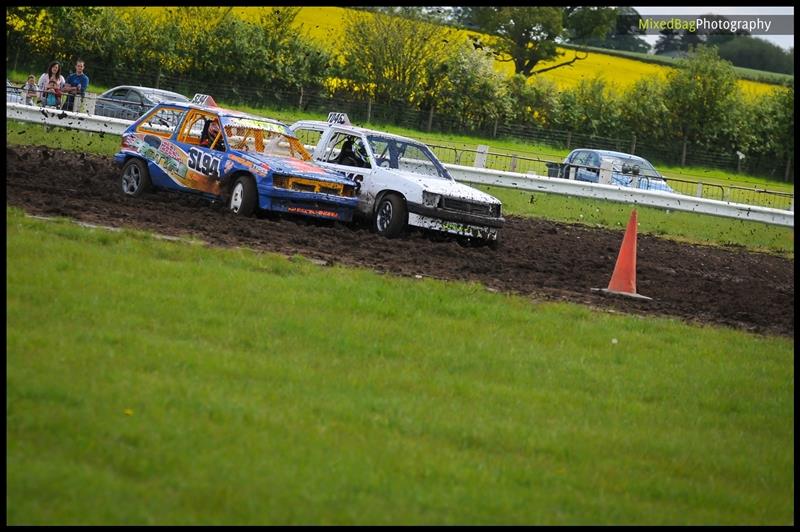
(401, 181)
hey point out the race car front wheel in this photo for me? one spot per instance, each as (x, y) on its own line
(390, 216)
(243, 197)
(135, 177)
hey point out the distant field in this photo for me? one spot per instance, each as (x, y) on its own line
(153, 382)
(760, 76)
(325, 25)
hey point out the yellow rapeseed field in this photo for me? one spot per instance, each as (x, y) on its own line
(325, 26)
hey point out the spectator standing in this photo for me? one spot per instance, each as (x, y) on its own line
(76, 84)
(31, 90)
(52, 95)
(53, 73)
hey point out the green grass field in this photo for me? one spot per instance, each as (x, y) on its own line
(155, 382)
(682, 226)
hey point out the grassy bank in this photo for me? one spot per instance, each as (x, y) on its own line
(153, 382)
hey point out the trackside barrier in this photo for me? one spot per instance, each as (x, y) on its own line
(651, 198)
(55, 117)
(468, 174)
(543, 165)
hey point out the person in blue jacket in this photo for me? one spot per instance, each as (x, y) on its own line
(76, 84)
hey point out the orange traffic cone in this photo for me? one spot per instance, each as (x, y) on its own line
(623, 280)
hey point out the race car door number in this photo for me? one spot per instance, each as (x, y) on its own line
(203, 162)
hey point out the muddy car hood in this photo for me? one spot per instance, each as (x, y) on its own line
(445, 187)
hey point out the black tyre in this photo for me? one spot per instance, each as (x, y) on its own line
(244, 196)
(135, 177)
(391, 216)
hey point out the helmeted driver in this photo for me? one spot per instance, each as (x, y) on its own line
(212, 131)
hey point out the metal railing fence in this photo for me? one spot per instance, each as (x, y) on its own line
(539, 164)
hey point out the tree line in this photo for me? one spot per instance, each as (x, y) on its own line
(412, 63)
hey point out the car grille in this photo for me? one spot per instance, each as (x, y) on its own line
(481, 209)
(304, 187)
(303, 184)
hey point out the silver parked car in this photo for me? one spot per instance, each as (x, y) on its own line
(13, 93)
(130, 102)
(626, 170)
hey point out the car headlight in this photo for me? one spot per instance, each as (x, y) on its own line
(429, 199)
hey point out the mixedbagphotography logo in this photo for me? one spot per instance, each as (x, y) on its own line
(750, 24)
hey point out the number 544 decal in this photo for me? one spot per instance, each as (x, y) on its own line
(203, 162)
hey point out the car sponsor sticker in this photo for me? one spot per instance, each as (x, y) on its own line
(256, 124)
(302, 166)
(258, 168)
(240, 160)
(171, 150)
(313, 212)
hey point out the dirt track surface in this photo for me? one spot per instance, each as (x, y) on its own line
(540, 259)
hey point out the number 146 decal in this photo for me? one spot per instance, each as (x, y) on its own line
(203, 162)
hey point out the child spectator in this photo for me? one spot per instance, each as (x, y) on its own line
(53, 73)
(31, 90)
(52, 95)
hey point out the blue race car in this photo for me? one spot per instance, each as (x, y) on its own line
(249, 162)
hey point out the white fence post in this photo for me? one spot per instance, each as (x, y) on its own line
(480, 158)
(605, 171)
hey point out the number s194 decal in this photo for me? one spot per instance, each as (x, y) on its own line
(204, 162)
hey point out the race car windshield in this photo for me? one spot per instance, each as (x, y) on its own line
(264, 137)
(411, 157)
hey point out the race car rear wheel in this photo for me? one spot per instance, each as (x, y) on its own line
(390, 216)
(135, 177)
(243, 197)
